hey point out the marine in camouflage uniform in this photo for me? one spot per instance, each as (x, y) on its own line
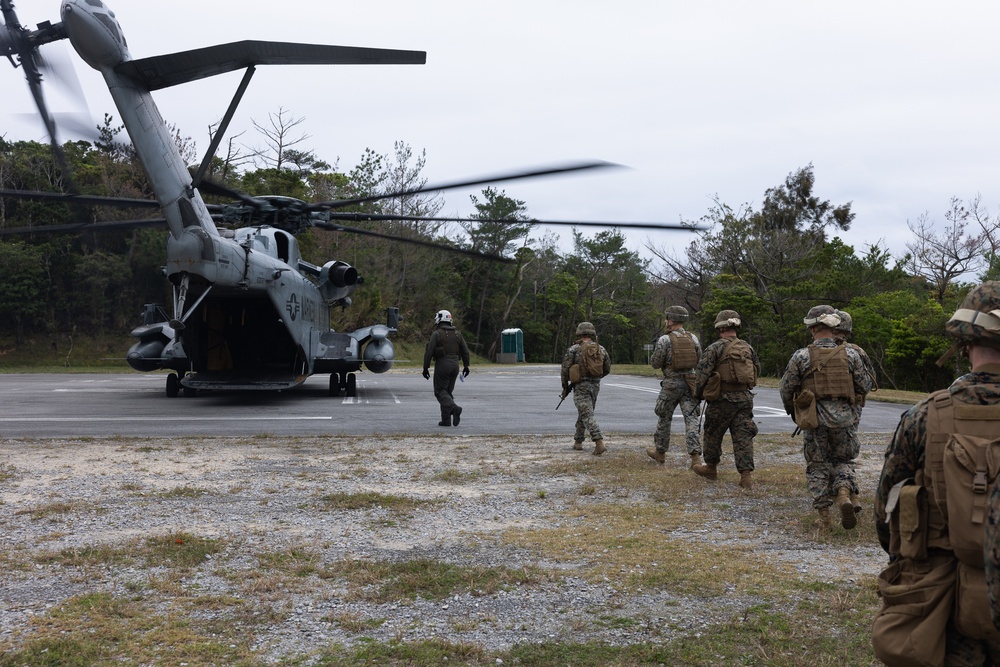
(906, 454)
(446, 347)
(675, 390)
(585, 391)
(829, 449)
(732, 411)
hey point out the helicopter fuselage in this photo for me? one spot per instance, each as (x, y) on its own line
(248, 312)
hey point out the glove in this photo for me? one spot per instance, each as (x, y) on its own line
(465, 372)
(427, 374)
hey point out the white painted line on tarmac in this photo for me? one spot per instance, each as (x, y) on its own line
(633, 386)
(160, 419)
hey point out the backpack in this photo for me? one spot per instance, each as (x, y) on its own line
(591, 360)
(736, 365)
(962, 460)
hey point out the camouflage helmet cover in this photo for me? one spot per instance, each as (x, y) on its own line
(726, 319)
(978, 318)
(846, 323)
(676, 313)
(585, 329)
(822, 316)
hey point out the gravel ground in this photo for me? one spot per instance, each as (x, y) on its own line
(265, 494)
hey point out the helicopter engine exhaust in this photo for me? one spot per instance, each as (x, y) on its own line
(337, 280)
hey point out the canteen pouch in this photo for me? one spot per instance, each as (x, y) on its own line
(805, 410)
(917, 601)
(713, 387)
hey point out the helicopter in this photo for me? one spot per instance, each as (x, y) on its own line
(248, 312)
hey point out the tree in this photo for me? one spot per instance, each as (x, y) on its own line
(942, 259)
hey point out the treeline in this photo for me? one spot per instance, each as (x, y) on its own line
(770, 264)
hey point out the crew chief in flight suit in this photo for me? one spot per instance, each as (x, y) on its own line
(445, 347)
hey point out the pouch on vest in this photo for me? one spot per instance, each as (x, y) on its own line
(973, 617)
(574, 374)
(805, 410)
(917, 598)
(970, 465)
(692, 382)
(713, 387)
(906, 513)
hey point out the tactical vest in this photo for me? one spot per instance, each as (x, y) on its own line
(943, 508)
(684, 355)
(829, 374)
(448, 343)
(736, 369)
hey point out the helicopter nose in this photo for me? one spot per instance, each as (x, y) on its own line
(94, 32)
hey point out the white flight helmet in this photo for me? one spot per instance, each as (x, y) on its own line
(442, 316)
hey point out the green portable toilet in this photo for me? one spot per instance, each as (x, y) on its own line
(511, 346)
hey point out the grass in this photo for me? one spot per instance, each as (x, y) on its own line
(630, 528)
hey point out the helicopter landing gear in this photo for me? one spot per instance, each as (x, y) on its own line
(349, 384)
(175, 389)
(173, 385)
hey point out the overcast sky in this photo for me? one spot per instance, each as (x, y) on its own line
(893, 103)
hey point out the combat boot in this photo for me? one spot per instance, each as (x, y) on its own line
(746, 480)
(659, 457)
(847, 516)
(695, 460)
(856, 501)
(824, 519)
(578, 446)
(707, 471)
(456, 416)
(599, 447)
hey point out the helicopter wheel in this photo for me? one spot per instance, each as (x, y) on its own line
(352, 385)
(335, 384)
(173, 385)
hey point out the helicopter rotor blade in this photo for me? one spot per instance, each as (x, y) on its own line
(659, 226)
(513, 176)
(15, 40)
(85, 200)
(81, 227)
(334, 227)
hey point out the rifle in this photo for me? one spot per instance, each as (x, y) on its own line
(562, 396)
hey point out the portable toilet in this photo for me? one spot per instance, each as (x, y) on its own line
(511, 346)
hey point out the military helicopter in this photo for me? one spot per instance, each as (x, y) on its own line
(248, 312)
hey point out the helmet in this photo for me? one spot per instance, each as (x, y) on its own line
(846, 323)
(585, 329)
(978, 318)
(676, 313)
(726, 319)
(442, 316)
(822, 316)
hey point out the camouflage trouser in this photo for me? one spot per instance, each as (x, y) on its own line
(829, 454)
(672, 395)
(737, 418)
(961, 651)
(585, 398)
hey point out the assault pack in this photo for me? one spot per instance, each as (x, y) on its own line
(736, 367)
(941, 509)
(591, 360)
